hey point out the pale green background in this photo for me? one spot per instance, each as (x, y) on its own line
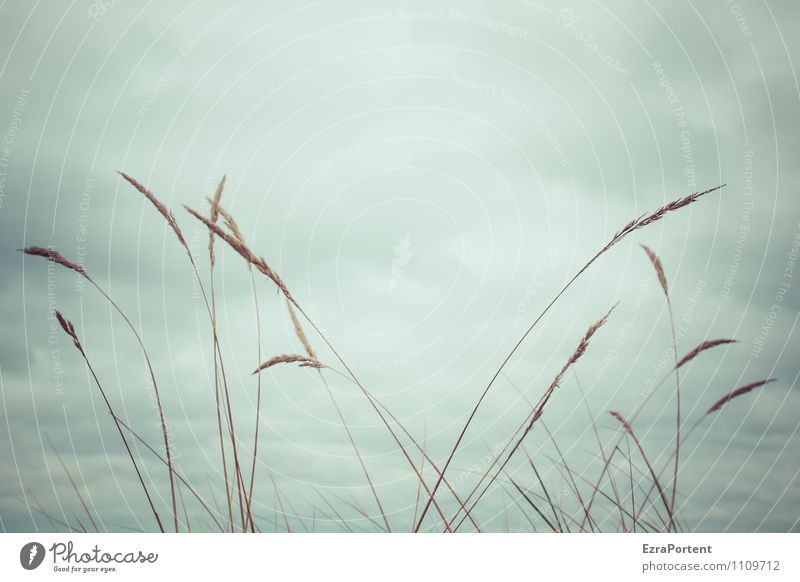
(424, 183)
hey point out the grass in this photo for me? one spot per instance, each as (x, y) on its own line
(629, 493)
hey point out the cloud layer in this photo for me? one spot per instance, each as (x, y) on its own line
(425, 180)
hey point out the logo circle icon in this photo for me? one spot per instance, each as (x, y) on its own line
(31, 555)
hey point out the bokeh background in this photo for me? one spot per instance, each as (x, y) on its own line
(425, 176)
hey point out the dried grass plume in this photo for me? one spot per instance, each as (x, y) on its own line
(662, 279)
(738, 392)
(165, 212)
(706, 345)
(53, 255)
(305, 361)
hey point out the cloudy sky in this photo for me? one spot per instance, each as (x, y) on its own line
(425, 177)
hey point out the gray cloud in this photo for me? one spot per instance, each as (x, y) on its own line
(424, 180)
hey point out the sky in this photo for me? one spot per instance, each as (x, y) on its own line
(425, 178)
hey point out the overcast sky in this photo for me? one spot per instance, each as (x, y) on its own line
(424, 177)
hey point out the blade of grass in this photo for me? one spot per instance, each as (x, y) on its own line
(72, 483)
(532, 504)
